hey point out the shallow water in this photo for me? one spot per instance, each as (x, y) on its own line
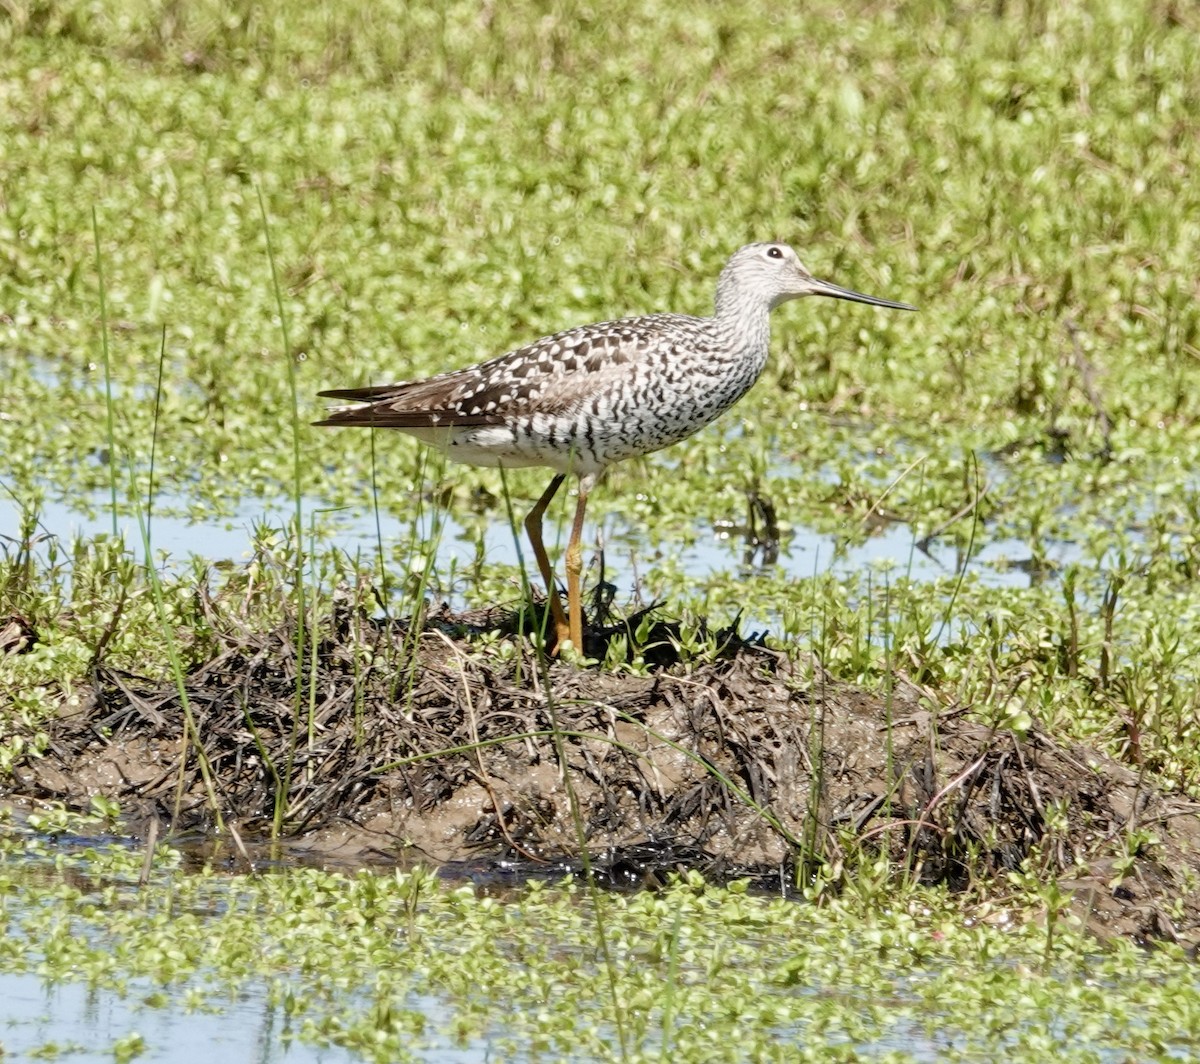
(805, 553)
(86, 1024)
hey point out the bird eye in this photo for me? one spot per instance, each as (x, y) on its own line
(774, 253)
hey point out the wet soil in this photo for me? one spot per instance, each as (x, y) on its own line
(443, 745)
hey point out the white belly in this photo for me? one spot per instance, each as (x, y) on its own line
(498, 446)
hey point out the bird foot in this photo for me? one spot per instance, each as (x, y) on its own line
(562, 640)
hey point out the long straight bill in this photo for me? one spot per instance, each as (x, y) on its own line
(828, 288)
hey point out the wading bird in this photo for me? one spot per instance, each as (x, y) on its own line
(582, 399)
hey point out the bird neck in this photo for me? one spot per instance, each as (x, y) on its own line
(745, 323)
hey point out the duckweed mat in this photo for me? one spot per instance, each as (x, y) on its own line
(381, 743)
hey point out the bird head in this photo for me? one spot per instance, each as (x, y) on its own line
(774, 273)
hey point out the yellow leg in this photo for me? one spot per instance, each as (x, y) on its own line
(533, 529)
(574, 565)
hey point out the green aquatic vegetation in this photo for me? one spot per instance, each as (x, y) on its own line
(692, 972)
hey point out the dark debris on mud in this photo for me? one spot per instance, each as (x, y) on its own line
(432, 745)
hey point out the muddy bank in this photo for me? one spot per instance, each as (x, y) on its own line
(435, 746)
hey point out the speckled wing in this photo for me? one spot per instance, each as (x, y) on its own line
(551, 376)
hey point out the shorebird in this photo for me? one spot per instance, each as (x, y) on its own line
(582, 399)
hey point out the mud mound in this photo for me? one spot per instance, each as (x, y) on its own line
(383, 743)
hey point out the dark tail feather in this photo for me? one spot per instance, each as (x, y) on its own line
(381, 417)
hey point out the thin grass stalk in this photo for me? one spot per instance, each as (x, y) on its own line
(174, 659)
(162, 358)
(889, 693)
(962, 572)
(360, 675)
(104, 353)
(526, 587)
(297, 494)
(807, 846)
(810, 854)
(314, 659)
(429, 548)
(383, 573)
